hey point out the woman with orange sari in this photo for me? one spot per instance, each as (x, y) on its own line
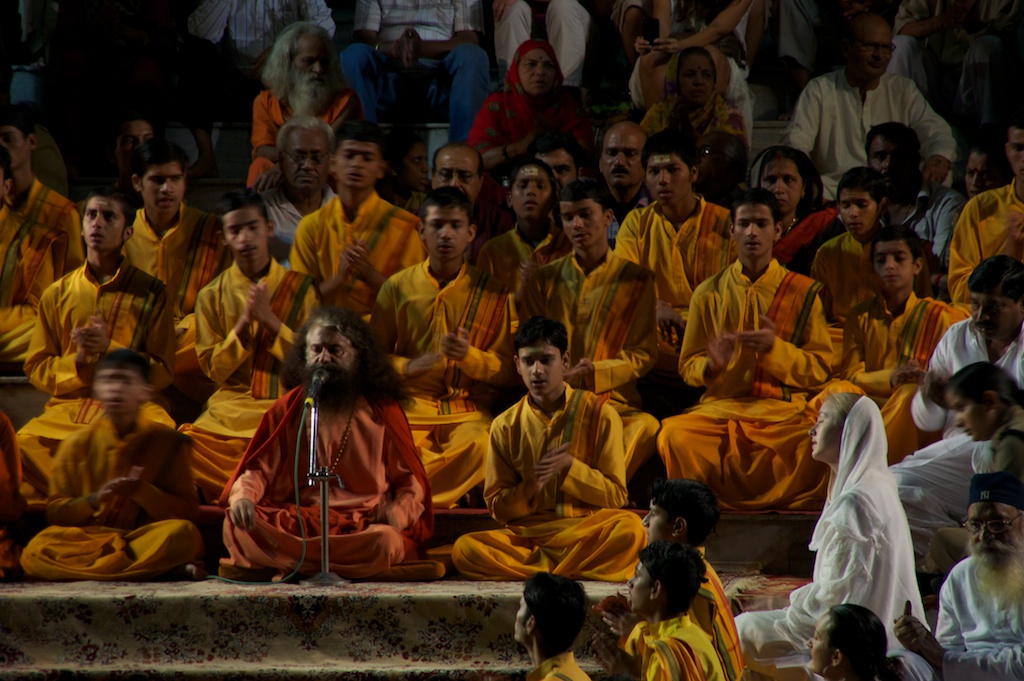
(532, 102)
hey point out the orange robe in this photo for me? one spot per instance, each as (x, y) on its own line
(186, 258)
(248, 374)
(377, 519)
(747, 439)
(35, 254)
(875, 342)
(268, 115)
(138, 316)
(12, 504)
(134, 538)
(390, 234)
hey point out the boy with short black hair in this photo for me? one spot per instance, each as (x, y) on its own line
(121, 498)
(551, 614)
(246, 320)
(555, 477)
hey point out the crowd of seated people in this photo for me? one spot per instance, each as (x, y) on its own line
(540, 317)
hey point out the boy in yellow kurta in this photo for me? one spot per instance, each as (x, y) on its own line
(551, 614)
(991, 223)
(104, 305)
(666, 645)
(121, 497)
(358, 240)
(555, 477)
(447, 326)
(514, 256)
(12, 504)
(757, 340)
(888, 339)
(607, 305)
(34, 256)
(179, 245)
(245, 324)
(680, 237)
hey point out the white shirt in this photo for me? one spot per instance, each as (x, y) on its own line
(432, 19)
(984, 639)
(830, 123)
(934, 216)
(285, 217)
(253, 25)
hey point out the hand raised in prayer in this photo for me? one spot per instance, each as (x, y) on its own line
(911, 372)
(455, 346)
(760, 340)
(617, 616)
(614, 659)
(422, 364)
(242, 514)
(359, 260)
(259, 307)
(720, 351)
(91, 340)
(933, 388)
(670, 324)
(916, 638)
(1013, 245)
(582, 374)
(268, 179)
(552, 464)
(936, 168)
(527, 269)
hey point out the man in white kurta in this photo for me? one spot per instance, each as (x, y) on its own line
(933, 480)
(835, 111)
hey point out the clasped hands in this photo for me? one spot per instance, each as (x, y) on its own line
(91, 341)
(257, 309)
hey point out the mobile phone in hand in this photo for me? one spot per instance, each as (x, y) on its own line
(652, 30)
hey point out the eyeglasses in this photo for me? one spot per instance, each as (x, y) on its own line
(994, 526)
(875, 47)
(298, 158)
(446, 175)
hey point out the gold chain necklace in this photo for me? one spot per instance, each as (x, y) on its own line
(344, 443)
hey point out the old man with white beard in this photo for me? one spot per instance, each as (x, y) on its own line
(980, 631)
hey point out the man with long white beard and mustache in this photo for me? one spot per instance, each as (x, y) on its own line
(980, 631)
(380, 515)
(303, 78)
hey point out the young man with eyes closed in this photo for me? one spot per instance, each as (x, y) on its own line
(889, 339)
(555, 477)
(447, 326)
(757, 341)
(358, 240)
(246, 320)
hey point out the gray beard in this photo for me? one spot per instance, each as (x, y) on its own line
(1001, 574)
(308, 97)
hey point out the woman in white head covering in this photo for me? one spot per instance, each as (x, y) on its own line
(862, 540)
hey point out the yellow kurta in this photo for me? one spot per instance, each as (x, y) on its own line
(390, 234)
(875, 343)
(123, 538)
(681, 258)
(502, 255)
(222, 432)
(676, 649)
(138, 316)
(561, 667)
(449, 410)
(747, 439)
(609, 314)
(980, 233)
(50, 209)
(12, 504)
(569, 527)
(186, 258)
(35, 254)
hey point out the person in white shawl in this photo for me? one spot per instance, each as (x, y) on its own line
(862, 541)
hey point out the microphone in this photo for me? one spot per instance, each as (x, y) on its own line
(320, 376)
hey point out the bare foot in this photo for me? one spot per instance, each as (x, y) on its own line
(195, 571)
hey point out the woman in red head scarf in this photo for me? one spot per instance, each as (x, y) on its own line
(532, 102)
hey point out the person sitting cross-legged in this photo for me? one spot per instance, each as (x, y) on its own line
(121, 499)
(555, 477)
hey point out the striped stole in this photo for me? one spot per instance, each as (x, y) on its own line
(924, 327)
(203, 261)
(482, 318)
(582, 418)
(20, 269)
(615, 313)
(790, 309)
(286, 305)
(728, 654)
(711, 255)
(677, 659)
(553, 250)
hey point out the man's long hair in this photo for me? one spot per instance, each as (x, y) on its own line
(373, 375)
(277, 71)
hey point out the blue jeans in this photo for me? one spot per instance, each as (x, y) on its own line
(461, 80)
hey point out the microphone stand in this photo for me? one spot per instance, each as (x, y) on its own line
(322, 475)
